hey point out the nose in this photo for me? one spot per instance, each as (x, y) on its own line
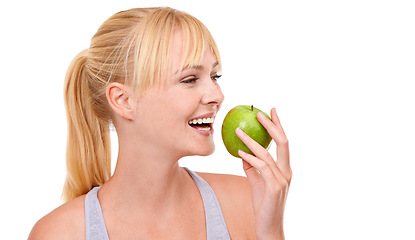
(213, 94)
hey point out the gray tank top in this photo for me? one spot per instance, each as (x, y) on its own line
(215, 223)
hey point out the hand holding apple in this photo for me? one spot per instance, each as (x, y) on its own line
(245, 118)
(269, 179)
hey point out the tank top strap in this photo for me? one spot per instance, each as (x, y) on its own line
(94, 220)
(215, 223)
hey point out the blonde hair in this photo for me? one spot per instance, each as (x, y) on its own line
(132, 47)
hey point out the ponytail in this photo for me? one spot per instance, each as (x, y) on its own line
(88, 150)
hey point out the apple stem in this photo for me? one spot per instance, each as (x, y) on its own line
(252, 108)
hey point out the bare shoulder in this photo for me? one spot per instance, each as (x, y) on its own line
(65, 222)
(234, 196)
(229, 185)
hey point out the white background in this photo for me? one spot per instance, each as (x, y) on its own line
(340, 73)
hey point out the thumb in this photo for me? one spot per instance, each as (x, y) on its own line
(251, 173)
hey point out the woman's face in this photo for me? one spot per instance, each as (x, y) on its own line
(179, 117)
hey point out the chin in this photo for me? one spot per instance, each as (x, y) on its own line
(206, 151)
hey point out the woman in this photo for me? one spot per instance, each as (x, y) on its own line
(151, 72)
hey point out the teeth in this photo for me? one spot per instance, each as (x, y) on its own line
(201, 120)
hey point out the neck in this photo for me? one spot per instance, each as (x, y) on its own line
(148, 178)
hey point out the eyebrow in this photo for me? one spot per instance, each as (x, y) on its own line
(197, 67)
(201, 67)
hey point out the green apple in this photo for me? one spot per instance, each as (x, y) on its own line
(244, 117)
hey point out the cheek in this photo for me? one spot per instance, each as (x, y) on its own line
(163, 111)
(181, 103)
(167, 110)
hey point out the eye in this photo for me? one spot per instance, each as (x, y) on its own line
(189, 80)
(216, 77)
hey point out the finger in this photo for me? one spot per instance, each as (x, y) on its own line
(256, 148)
(277, 133)
(258, 165)
(251, 173)
(283, 151)
(273, 181)
(273, 127)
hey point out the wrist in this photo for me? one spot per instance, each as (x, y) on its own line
(279, 235)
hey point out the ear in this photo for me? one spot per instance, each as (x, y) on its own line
(120, 100)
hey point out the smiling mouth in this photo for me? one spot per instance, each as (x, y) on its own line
(204, 124)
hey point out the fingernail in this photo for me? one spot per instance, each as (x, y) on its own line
(240, 152)
(261, 115)
(238, 130)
